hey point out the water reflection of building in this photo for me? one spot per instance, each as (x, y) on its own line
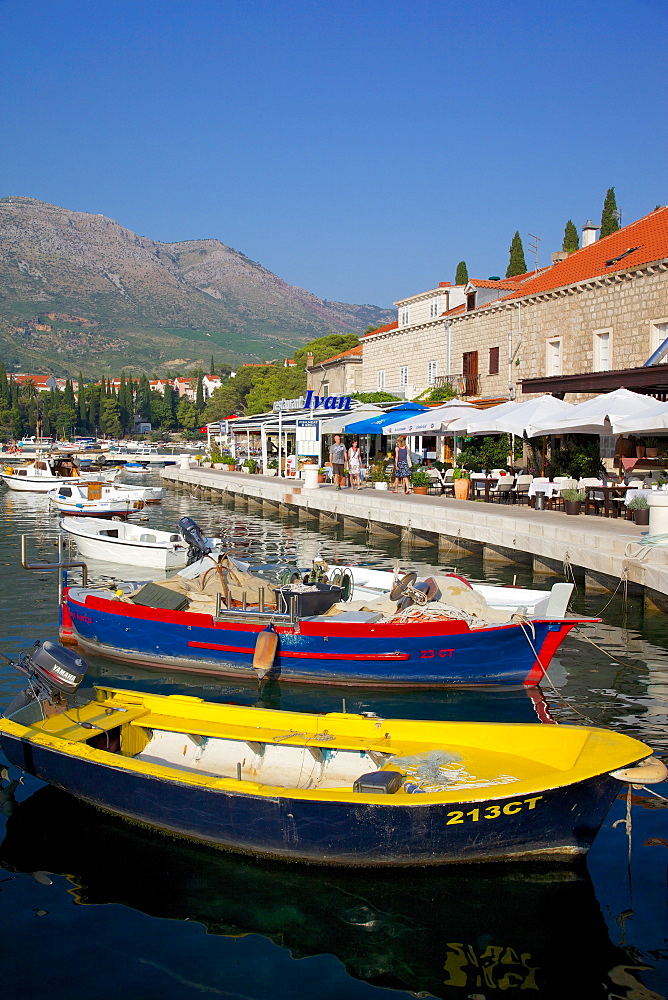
(449, 932)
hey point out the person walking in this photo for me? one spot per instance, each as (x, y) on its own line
(402, 466)
(355, 465)
(337, 456)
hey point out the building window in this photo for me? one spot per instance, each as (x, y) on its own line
(404, 316)
(553, 360)
(433, 309)
(380, 379)
(432, 372)
(470, 301)
(658, 334)
(602, 351)
(494, 361)
(325, 388)
(403, 376)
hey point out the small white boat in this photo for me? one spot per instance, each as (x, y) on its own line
(96, 499)
(47, 472)
(136, 468)
(132, 544)
(149, 494)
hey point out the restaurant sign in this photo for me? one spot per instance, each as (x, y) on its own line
(312, 402)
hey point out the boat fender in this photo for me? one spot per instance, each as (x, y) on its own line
(9, 469)
(648, 772)
(266, 647)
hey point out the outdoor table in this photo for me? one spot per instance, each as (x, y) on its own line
(488, 481)
(609, 509)
(549, 489)
(636, 491)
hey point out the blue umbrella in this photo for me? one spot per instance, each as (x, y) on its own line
(377, 424)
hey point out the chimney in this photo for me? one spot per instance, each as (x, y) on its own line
(559, 255)
(309, 360)
(589, 231)
(444, 284)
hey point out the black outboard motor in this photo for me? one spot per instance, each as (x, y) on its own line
(54, 674)
(199, 545)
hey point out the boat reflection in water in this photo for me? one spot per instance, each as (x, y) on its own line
(451, 933)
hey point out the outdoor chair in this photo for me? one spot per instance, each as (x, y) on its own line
(503, 490)
(448, 483)
(435, 486)
(521, 488)
(557, 499)
(596, 500)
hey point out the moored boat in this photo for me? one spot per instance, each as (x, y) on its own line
(131, 544)
(331, 788)
(47, 472)
(215, 618)
(95, 498)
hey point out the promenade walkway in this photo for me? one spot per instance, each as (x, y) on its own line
(606, 549)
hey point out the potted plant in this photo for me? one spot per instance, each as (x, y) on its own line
(640, 509)
(652, 447)
(573, 500)
(227, 463)
(250, 466)
(379, 476)
(462, 483)
(272, 467)
(420, 480)
(640, 447)
(322, 472)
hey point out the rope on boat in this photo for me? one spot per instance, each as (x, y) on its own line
(434, 612)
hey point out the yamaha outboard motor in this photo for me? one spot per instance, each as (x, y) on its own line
(54, 674)
(199, 544)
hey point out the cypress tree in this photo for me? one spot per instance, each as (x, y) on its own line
(516, 263)
(169, 400)
(144, 398)
(212, 369)
(4, 386)
(82, 416)
(199, 395)
(609, 216)
(462, 274)
(68, 395)
(571, 240)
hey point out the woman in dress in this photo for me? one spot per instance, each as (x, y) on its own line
(402, 468)
(354, 465)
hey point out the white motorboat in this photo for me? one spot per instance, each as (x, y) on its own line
(96, 499)
(372, 584)
(136, 468)
(149, 494)
(131, 544)
(47, 472)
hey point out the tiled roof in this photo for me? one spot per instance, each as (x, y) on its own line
(455, 310)
(647, 239)
(344, 354)
(382, 329)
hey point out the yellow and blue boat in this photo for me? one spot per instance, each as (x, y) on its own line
(333, 788)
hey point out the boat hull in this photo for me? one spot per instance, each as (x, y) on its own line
(135, 553)
(429, 654)
(553, 821)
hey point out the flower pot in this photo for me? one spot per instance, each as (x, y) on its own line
(380, 486)
(244, 468)
(270, 472)
(462, 487)
(641, 516)
(640, 451)
(572, 506)
(321, 477)
(422, 490)
(651, 452)
(219, 466)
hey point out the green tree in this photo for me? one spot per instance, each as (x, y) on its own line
(186, 414)
(161, 414)
(110, 420)
(4, 386)
(571, 240)
(199, 395)
(143, 403)
(68, 395)
(230, 397)
(170, 403)
(609, 215)
(28, 390)
(270, 384)
(516, 264)
(212, 367)
(65, 418)
(82, 413)
(462, 274)
(94, 403)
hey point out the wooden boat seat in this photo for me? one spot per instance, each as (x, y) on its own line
(66, 726)
(250, 734)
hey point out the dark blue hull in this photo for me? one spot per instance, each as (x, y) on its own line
(428, 654)
(561, 821)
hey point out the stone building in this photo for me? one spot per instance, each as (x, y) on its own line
(602, 308)
(339, 375)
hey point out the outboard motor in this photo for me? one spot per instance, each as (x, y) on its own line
(54, 674)
(198, 544)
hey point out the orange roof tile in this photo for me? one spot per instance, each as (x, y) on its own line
(344, 354)
(455, 309)
(382, 329)
(639, 243)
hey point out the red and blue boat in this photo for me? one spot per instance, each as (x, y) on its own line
(420, 646)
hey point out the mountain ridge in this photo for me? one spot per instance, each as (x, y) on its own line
(80, 291)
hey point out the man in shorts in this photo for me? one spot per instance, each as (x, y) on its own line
(337, 456)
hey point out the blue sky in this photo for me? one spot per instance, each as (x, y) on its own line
(358, 148)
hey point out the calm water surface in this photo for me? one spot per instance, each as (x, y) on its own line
(133, 913)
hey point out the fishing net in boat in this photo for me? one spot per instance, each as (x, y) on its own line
(441, 770)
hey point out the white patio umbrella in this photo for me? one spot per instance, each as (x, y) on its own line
(435, 421)
(514, 417)
(647, 423)
(608, 413)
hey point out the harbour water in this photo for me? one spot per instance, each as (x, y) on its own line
(131, 912)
